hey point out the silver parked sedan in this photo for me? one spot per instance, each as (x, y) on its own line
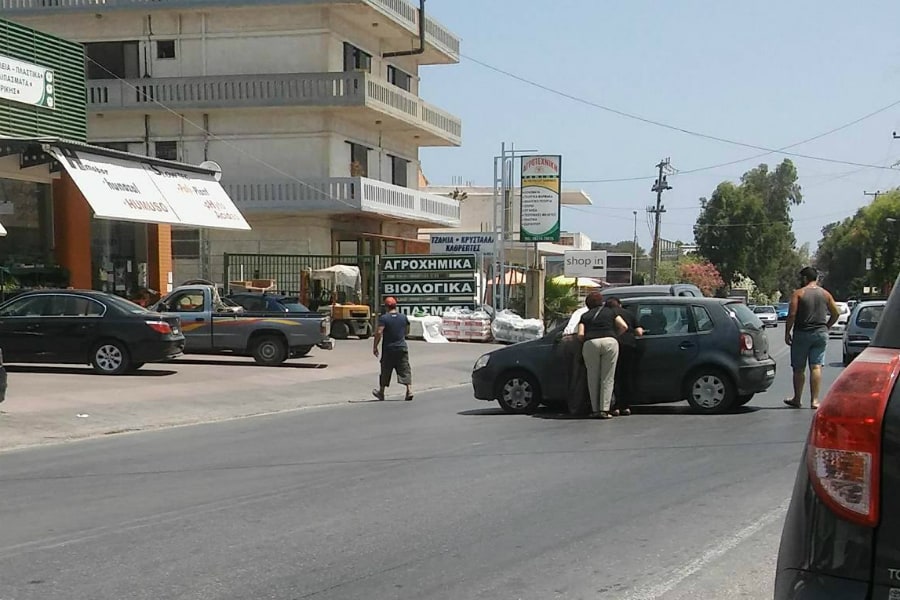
(767, 314)
(861, 327)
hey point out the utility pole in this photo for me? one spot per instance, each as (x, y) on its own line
(634, 249)
(874, 194)
(661, 185)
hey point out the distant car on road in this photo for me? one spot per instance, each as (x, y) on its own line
(840, 326)
(782, 309)
(767, 315)
(712, 352)
(860, 327)
(86, 327)
(841, 537)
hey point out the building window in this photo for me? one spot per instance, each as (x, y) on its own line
(359, 160)
(356, 59)
(166, 150)
(399, 168)
(111, 60)
(165, 49)
(118, 146)
(399, 78)
(185, 243)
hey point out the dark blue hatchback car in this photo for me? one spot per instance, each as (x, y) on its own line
(714, 353)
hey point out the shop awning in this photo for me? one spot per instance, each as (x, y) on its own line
(132, 188)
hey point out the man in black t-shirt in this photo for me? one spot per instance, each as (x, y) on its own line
(393, 328)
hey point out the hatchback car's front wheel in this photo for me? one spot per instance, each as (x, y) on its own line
(518, 393)
(110, 357)
(710, 391)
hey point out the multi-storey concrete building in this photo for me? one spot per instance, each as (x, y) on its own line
(315, 119)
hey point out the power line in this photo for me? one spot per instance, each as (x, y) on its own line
(621, 113)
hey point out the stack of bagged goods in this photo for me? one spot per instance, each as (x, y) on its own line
(431, 330)
(510, 328)
(466, 325)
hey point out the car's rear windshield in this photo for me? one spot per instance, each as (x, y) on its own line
(744, 315)
(868, 317)
(764, 309)
(125, 305)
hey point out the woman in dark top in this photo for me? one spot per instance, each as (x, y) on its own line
(599, 328)
(627, 365)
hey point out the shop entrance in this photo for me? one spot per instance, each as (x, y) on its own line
(119, 253)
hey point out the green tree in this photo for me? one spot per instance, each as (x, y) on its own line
(560, 301)
(869, 234)
(746, 228)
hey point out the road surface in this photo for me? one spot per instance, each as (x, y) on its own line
(441, 498)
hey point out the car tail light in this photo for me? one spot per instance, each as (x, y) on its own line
(160, 327)
(746, 343)
(844, 453)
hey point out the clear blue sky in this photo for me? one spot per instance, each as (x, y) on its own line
(769, 73)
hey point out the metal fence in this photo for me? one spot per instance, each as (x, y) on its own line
(287, 271)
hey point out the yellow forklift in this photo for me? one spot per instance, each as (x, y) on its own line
(336, 291)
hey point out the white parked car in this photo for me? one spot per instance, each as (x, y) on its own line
(767, 314)
(838, 329)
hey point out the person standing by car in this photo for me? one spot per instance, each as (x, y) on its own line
(393, 328)
(571, 348)
(627, 365)
(812, 312)
(599, 328)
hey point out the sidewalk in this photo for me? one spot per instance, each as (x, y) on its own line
(52, 404)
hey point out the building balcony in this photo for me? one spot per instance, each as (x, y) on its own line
(359, 95)
(343, 195)
(398, 20)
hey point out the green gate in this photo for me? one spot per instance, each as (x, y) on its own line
(287, 271)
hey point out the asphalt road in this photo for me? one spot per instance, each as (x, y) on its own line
(441, 498)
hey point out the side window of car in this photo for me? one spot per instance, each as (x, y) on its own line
(32, 306)
(659, 319)
(78, 306)
(702, 318)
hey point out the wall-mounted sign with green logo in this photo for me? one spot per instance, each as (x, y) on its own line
(26, 83)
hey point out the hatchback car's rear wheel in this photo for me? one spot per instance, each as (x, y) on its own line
(110, 357)
(710, 391)
(518, 393)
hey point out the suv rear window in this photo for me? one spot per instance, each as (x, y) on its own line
(869, 317)
(744, 315)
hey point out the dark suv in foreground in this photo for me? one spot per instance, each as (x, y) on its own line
(714, 353)
(841, 537)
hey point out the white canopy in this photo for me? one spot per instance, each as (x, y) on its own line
(341, 275)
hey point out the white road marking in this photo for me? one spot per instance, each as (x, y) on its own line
(675, 577)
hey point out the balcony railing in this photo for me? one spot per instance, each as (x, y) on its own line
(400, 11)
(346, 194)
(294, 89)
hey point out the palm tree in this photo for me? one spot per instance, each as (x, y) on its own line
(560, 301)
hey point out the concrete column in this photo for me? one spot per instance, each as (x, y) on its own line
(534, 294)
(72, 232)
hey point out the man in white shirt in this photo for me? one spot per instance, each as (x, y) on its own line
(572, 326)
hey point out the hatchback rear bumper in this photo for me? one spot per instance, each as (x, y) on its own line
(756, 377)
(794, 584)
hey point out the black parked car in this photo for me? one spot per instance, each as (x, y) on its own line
(268, 302)
(85, 327)
(714, 353)
(841, 537)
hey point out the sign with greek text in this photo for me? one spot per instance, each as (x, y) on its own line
(463, 243)
(26, 83)
(429, 284)
(539, 212)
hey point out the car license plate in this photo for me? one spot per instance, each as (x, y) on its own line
(770, 373)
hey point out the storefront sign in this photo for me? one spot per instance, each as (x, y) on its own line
(198, 199)
(463, 243)
(126, 190)
(540, 203)
(585, 263)
(26, 83)
(429, 284)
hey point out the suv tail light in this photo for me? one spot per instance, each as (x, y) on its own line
(844, 453)
(160, 327)
(746, 343)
